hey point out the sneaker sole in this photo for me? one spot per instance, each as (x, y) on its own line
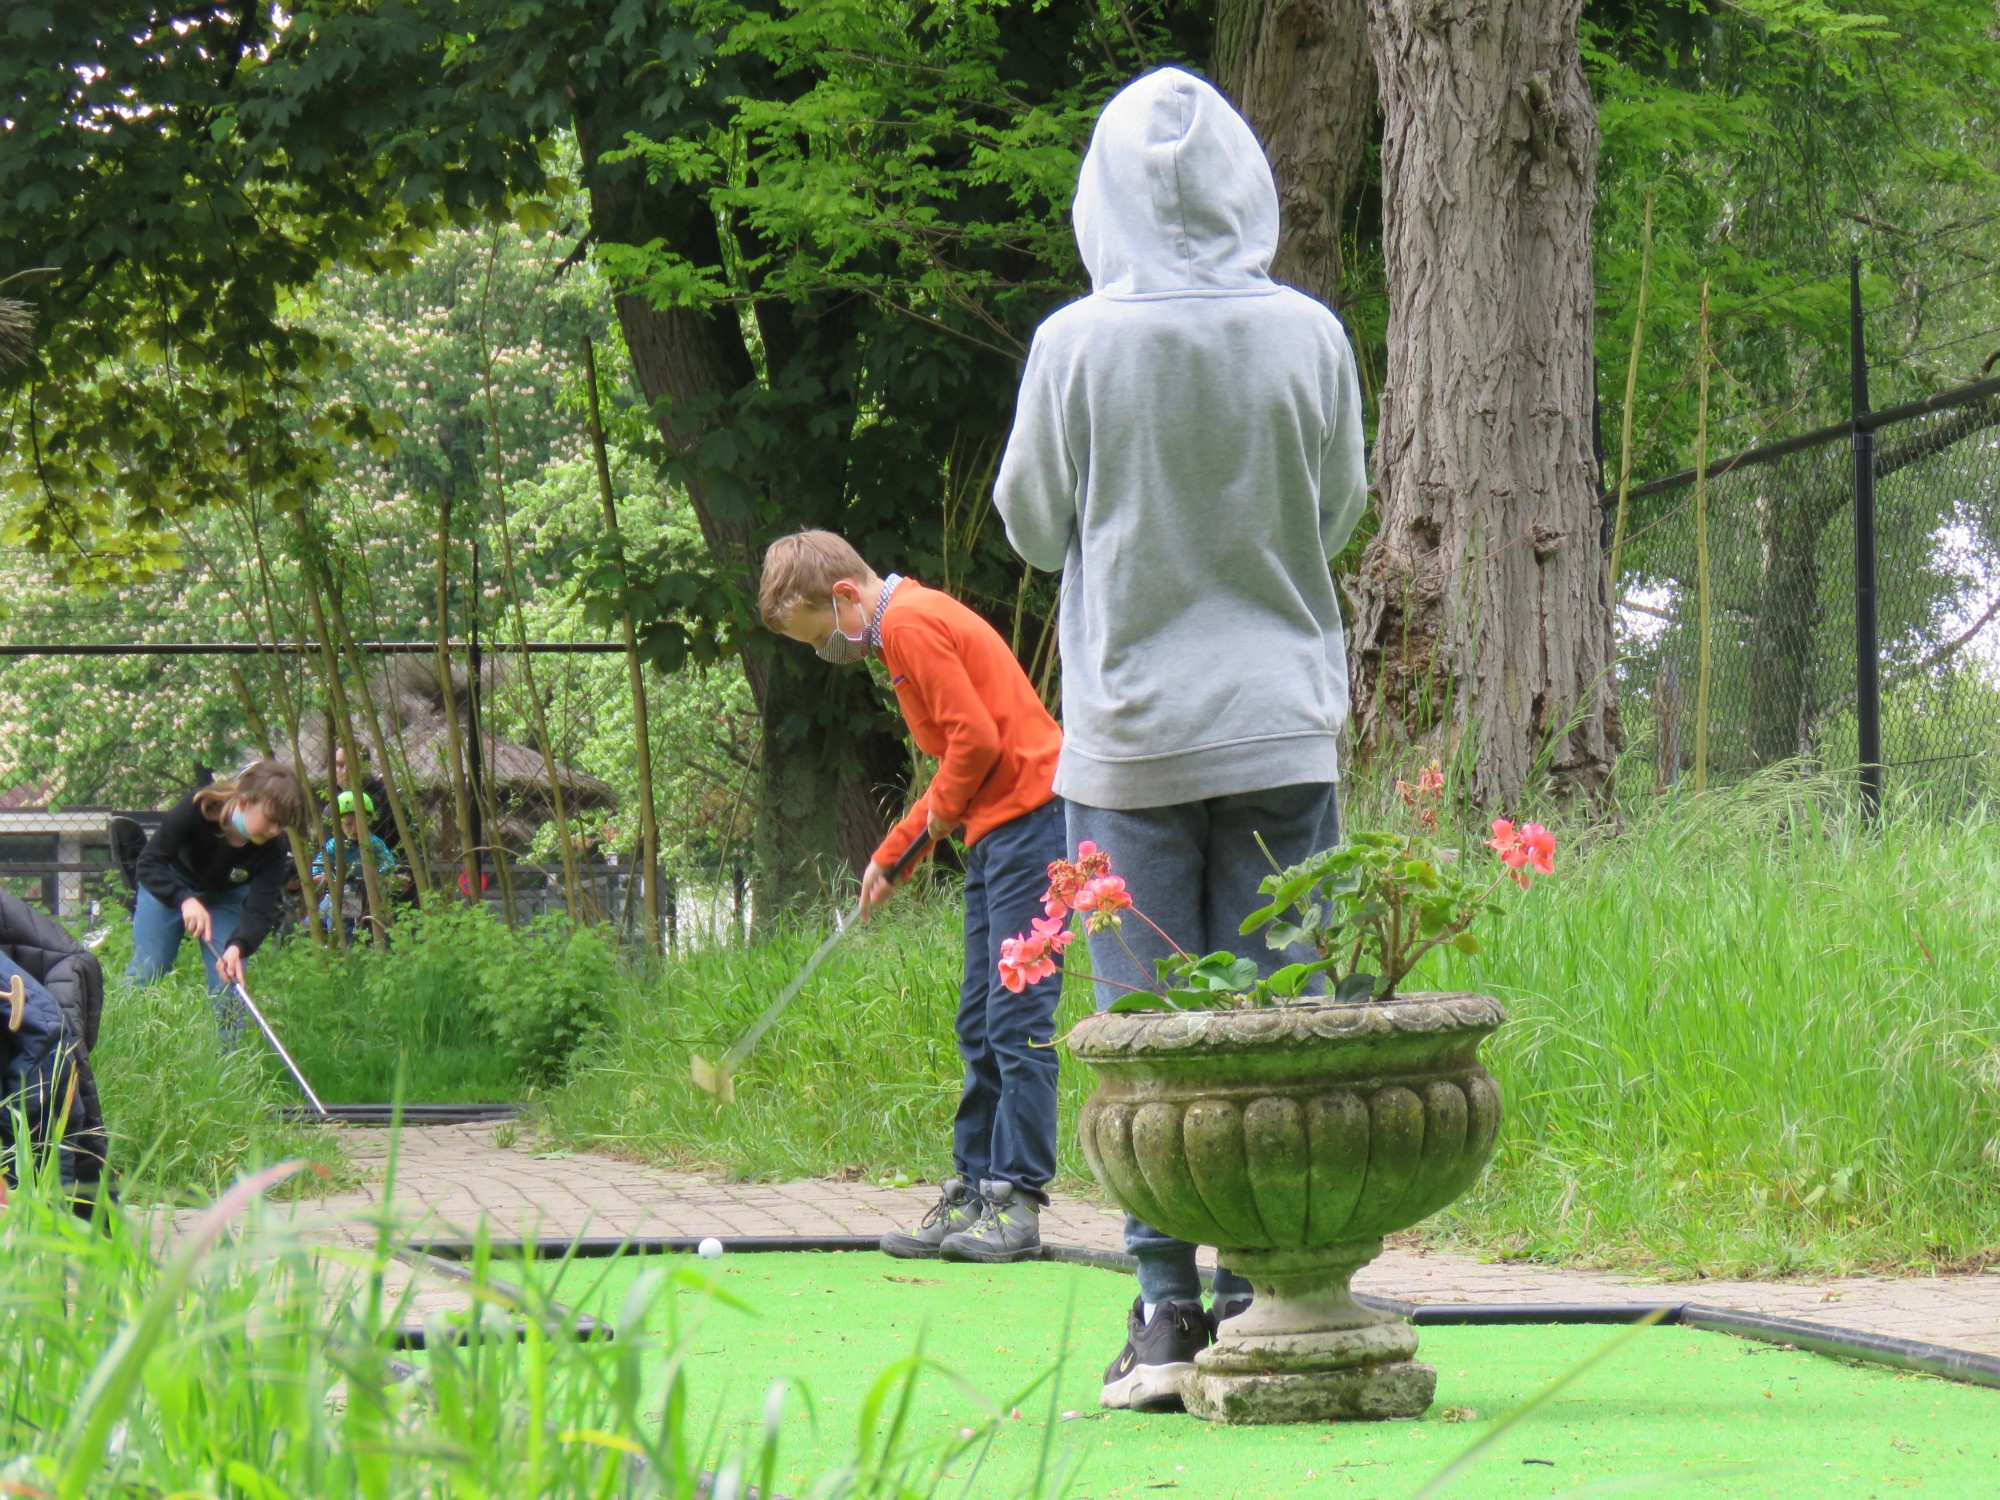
(902, 1247)
(986, 1257)
(1149, 1388)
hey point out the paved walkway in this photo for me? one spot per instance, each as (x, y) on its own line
(448, 1178)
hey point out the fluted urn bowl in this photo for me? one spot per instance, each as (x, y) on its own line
(1293, 1138)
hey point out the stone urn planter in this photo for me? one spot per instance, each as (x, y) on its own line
(1293, 1138)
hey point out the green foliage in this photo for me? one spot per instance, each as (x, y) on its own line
(459, 1005)
(1776, 140)
(1750, 1034)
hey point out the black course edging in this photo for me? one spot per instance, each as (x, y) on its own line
(1818, 1338)
(409, 1114)
(1848, 1343)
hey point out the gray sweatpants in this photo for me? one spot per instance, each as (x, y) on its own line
(1193, 868)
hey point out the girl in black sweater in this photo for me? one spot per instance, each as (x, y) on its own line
(216, 868)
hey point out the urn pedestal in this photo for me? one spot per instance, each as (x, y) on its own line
(1292, 1138)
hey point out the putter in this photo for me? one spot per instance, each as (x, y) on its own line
(720, 1080)
(272, 1037)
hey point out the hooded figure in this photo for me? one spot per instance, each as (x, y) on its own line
(1187, 448)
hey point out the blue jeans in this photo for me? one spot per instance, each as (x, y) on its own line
(1194, 867)
(157, 931)
(1005, 1130)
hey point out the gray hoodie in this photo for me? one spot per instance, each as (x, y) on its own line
(1187, 449)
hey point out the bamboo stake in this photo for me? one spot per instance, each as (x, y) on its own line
(468, 857)
(289, 707)
(337, 881)
(274, 670)
(572, 882)
(343, 719)
(416, 837)
(1631, 392)
(379, 742)
(649, 822)
(1701, 551)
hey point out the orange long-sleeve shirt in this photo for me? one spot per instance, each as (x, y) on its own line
(969, 704)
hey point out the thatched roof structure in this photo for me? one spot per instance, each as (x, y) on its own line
(406, 695)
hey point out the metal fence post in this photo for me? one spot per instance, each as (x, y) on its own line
(1867, 642)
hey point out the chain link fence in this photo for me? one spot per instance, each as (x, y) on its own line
(1743, 602)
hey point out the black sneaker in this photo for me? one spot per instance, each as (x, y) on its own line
(958, 1207)
(1158, 1357)
(1224, 1309)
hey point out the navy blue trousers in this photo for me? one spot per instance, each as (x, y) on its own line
(1006, 1125)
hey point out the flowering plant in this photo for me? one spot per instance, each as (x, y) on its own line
(1369, 910)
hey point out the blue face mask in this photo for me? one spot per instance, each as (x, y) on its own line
(237, 822)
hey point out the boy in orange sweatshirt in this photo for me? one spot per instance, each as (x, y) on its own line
(969, 704)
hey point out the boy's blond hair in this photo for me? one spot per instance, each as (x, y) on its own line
(802, 569)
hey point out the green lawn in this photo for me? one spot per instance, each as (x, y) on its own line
(1671, 1412)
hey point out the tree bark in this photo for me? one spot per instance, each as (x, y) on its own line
(1483, 623)
(1300, 72)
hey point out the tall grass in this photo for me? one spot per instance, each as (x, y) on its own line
(458, 1006)
(188, 1115)
(860, 1077)
(247, 1363)
(1752, 1034)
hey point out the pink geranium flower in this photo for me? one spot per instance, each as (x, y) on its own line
(1025, 961)
(1530, 847)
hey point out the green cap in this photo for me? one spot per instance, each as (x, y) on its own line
(346, 804)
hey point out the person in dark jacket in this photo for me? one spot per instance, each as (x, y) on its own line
(45, 1061)
(216, 868)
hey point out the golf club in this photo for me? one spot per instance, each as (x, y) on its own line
(721, 1080)
(270, 1036)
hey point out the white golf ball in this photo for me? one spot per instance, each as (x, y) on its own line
(709, 1249)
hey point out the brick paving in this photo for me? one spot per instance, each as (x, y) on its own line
(450, 1178)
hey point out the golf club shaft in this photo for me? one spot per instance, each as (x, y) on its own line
(271, 1036)
(733, 1058)
(735, 1055)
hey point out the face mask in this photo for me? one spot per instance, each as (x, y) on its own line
(843, 649)
(237, 822)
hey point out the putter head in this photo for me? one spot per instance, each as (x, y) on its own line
(711, 1079)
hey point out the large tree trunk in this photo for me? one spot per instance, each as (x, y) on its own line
(1300, 72)
(1483, 627)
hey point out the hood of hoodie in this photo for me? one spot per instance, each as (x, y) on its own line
(1175, 194)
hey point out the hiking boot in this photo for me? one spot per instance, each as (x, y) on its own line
(1009, 1230)
(958, 1207)
(1224, 1309)
(1158, 1358)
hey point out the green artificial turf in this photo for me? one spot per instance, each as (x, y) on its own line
(1675, 1411)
